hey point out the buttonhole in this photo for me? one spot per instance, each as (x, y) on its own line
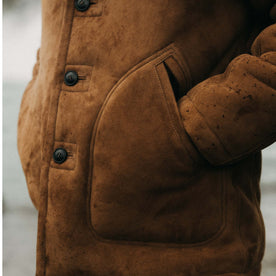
(82, 77)
(70, 154)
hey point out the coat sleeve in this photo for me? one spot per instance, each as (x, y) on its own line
(231, 115)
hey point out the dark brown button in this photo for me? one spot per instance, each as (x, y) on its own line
(82, 5)
(60, 155)
(71, 78)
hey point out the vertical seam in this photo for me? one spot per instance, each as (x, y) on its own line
(56, 112)
(238, 223)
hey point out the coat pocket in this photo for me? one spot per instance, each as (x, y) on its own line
(145, 184)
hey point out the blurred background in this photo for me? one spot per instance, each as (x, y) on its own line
(21, 39)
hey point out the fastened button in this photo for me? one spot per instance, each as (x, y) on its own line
(60, 155)
(71, 78)
(82, 5)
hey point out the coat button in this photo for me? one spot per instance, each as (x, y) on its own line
(60, 155)
(82, 5)
(71, 78)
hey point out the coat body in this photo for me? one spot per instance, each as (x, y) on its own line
(151, 185)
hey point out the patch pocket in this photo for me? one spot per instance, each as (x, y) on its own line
(145, 185)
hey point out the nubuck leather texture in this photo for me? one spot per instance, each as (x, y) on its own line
(140, 136)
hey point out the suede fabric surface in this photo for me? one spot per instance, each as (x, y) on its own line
(175, 100)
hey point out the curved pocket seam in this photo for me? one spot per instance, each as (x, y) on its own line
(212, 238)
(165, 54)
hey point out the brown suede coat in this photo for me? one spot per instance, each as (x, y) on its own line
(163, 132)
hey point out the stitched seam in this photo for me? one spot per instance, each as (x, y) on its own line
(263, 235)
(48, 170)
(181, 60)
(93, 232)
(238, 223)
(171, 244)
(97, 121)
(247, 267)
(261, 250)
(183, 66)
(173, 120)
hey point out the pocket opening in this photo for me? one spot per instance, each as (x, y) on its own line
(154, 201)
(176, 77)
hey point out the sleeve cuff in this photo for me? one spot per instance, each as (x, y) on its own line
(206, 141)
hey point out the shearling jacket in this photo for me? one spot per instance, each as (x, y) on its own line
(140, 136)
